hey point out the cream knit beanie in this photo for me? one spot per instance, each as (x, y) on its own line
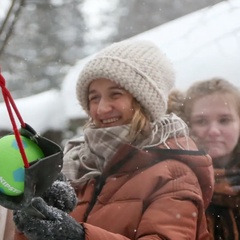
(137, 66)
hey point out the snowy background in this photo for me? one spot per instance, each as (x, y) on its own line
(201, 45)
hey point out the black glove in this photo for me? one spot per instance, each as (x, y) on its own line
(61, 195)
(53, 225)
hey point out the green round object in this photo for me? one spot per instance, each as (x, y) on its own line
(12, 171)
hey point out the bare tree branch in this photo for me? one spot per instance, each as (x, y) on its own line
(12, 24)
(7, 16)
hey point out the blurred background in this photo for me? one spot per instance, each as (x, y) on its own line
(41, 39)
(42, 43)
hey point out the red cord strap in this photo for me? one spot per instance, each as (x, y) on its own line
(10, 104)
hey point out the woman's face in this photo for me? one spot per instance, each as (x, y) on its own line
(109, 104)
(215, 125)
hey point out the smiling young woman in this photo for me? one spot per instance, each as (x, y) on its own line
(109, 104)
(136, 173)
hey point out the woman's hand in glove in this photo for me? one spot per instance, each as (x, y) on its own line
(54, 224)
(61, 195)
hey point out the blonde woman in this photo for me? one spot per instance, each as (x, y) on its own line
(137, 174)
(212, 110)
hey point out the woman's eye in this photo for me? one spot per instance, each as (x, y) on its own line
(116, 94)
(93, 98)
(200, 122)
(225, 120)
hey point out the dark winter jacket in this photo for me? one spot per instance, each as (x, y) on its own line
(223, 214)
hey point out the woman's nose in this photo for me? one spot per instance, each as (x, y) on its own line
(104, 107)
(214, 129)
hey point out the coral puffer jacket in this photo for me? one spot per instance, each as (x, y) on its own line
(154, 194)
(151, 194)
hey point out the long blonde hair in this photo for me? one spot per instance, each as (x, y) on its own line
(140, 122)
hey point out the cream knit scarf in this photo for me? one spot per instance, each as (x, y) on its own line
(86, 157)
